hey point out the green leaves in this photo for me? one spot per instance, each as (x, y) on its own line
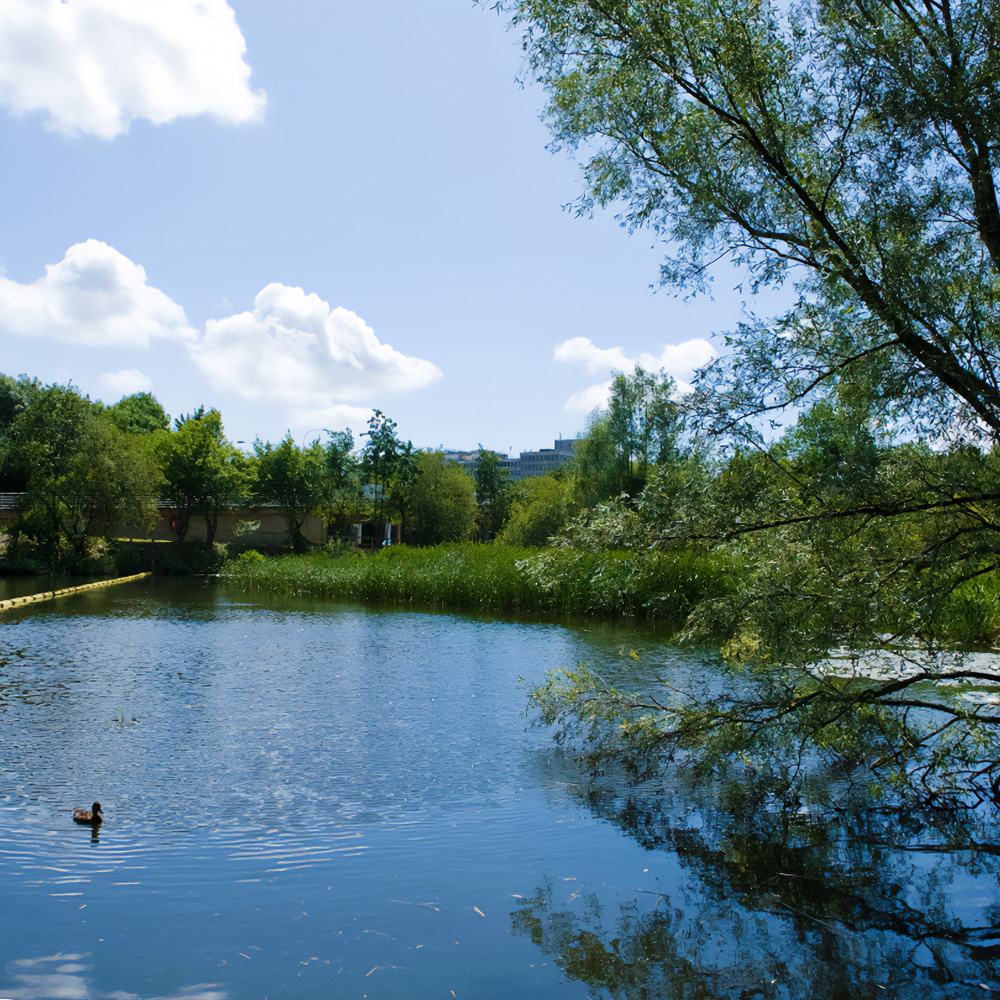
(82, 476)
(844, 146)
(204, 473)
(441, 502)
(297, 479)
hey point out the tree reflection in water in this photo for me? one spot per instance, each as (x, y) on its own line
(790, 902)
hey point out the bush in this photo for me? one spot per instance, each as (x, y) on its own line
(128, 560)
(538, 511)
(194, 559)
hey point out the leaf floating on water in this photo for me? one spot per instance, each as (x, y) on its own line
(479, 911)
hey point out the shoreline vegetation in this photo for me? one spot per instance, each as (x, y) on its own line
(665, 587)
(659, 586)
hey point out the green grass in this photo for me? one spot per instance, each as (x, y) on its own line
(658, 586)
(970, 615)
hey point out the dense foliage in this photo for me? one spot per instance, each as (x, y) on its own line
(84, 474)
(843, 151)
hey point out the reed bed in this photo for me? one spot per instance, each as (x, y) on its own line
(661, 586)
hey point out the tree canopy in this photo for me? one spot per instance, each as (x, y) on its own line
(639, 430)
(842, 150)
(844, 146)
(82, 476)
(140, 413)
(493, 488)
(204, 473)
(442, 502)
(295, 478)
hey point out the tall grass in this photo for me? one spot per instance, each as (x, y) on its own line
(970, 615)
(494, 578)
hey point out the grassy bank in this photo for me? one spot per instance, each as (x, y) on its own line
(493, 578)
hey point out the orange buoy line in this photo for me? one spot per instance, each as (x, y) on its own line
(51, 595)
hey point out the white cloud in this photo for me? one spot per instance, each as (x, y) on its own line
(94, 297)
(125, 383)
(678, 360)
(594, 397)
(92, 66)
(310, 423)
(294, 350)
(597, 359)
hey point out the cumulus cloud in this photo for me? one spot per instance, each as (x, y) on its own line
(92, 66)
(117, 385)
(333, 418)
(594, 397)
(678, 360)
(582, 350)
(95, 297)
(294, 350)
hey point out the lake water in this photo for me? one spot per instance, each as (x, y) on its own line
(304, 799)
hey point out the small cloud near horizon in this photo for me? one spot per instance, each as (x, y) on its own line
(118, 385)
(680, 361)
(314, 423)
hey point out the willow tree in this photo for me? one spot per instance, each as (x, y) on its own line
(843, 150)
(639, 430)
(843, 146)
(493, 494)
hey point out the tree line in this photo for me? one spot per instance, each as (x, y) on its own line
(83, 471)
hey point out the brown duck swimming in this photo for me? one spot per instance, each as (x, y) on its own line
(89, 817)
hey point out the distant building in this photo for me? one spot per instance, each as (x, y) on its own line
(537, 463)
(531, 463)
(464, 459)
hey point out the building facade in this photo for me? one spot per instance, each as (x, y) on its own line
(530, 463)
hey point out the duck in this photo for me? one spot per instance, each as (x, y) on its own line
(89, 817)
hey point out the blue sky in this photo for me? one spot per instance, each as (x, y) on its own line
(297, 212)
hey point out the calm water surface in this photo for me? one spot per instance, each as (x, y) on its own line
(300, 800)
(311, 800)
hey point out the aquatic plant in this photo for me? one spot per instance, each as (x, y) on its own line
(661, 586)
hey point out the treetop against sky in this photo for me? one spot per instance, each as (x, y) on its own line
(300, 213)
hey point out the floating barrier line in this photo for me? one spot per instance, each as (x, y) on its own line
(51, 595)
